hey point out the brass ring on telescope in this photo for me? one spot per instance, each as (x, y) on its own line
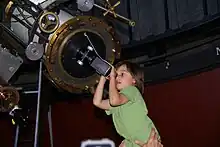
(56, 47)
(44, 16)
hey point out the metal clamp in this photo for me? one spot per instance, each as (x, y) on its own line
(129, 21)
(8, 8)
(111, 8)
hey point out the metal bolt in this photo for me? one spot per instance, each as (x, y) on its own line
(86, 87)
(167, 64)
(11, 69)
(70, 27)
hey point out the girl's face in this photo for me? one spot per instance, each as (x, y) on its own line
(123, 78)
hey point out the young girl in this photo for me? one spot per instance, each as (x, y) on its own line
(125, 103)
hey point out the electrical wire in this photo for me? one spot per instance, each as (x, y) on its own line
(96, 51)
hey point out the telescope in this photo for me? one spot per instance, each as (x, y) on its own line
(75, 48)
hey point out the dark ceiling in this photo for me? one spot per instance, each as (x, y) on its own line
(156, 17)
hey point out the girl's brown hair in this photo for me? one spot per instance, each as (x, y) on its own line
(136, 71)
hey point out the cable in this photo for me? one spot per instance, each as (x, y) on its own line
(22, 14)
(96, 51)
(22, 19)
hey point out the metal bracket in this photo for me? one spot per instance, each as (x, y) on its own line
(87, 5)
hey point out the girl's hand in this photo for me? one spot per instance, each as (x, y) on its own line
(113, 73)
(103, 78)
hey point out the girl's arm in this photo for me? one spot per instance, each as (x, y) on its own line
(115, 97)
(97, 99)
